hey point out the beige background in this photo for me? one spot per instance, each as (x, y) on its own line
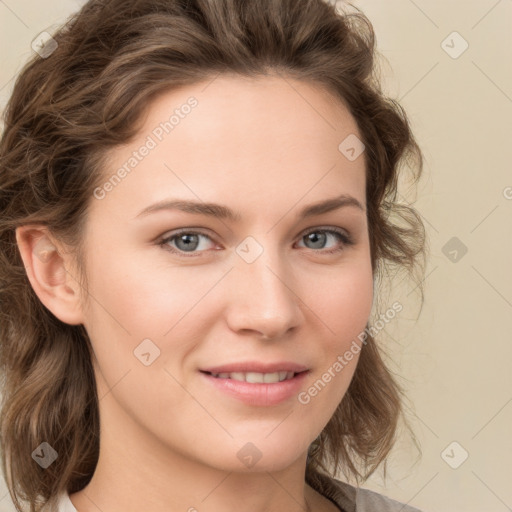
(455, 360)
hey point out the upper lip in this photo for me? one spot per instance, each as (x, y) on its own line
(257, 367)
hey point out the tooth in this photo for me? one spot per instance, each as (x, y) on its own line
(254, 377)
(271, 377)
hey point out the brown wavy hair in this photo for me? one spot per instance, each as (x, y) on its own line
(69, 109)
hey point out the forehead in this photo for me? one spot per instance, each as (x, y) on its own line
(253, 109)
(242, 139)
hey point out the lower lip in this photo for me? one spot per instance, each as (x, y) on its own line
(259, 394)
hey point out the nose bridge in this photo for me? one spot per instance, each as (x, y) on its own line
(264, 300)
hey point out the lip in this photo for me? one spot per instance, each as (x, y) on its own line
(258, 367)
(258, 394)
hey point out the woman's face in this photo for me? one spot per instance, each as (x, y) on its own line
(266, 293)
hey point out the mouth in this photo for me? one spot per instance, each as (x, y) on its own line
(256, 384)
(256, 377)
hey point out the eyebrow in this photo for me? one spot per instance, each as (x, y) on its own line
(223, 212)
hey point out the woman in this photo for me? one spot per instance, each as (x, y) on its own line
(197, 202)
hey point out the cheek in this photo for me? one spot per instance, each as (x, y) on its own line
(133, 302)
(144, 299)
(343, 304)
(343, 301)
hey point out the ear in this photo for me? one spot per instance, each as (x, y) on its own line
(48, 269)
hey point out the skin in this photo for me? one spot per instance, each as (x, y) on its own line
(169, 442)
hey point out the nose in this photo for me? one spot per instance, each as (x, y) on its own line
(263, 298)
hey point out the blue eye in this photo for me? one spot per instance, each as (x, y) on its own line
(187, 241)
(312, 236)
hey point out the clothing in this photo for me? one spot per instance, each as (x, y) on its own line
(347, 497)
(355, 499)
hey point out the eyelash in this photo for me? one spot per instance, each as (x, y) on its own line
(345, 238)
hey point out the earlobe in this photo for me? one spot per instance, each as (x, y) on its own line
(47, 269)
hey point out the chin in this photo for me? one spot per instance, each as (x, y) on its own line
(270, 452)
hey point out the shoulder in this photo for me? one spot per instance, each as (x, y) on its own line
(356, 499)
(368, 501)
